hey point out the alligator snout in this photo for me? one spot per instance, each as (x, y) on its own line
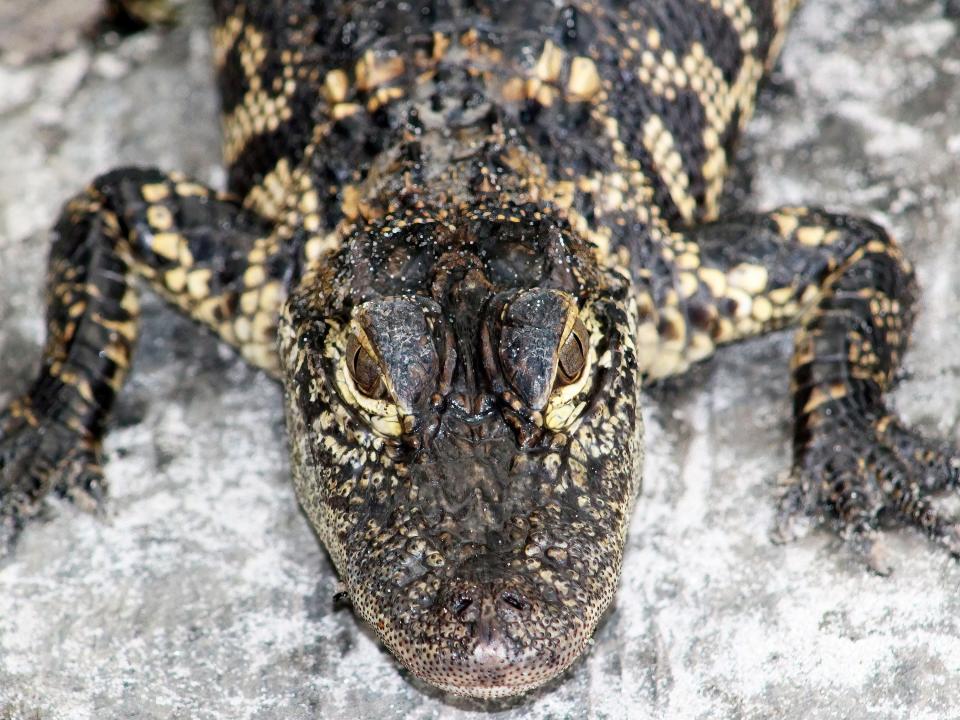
(505, 641)
(487, 579)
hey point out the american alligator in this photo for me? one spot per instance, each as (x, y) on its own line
(465, 234)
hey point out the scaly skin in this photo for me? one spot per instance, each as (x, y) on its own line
(464, 234)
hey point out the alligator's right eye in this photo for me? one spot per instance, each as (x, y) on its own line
(364, 370)
(572, 357)
(544, 349)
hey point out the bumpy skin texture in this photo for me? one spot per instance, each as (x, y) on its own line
(464, 234)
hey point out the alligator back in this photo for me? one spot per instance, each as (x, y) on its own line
(634, 107)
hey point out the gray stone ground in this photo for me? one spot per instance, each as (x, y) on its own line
(205, 594)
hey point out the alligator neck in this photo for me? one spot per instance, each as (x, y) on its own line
(442, 174)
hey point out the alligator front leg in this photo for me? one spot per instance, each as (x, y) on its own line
(200, 250)
(856, 466)
(846, 283)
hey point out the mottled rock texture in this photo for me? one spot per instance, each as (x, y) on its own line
(205, 595)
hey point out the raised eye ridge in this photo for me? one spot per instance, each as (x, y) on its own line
(543, 344)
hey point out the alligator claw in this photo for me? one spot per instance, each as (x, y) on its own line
(39, 456)
(863, 478)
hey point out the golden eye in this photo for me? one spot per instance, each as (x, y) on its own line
(573, 355)
(363, 370)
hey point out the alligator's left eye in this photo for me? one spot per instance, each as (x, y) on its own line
(572, 357)
(544, 347)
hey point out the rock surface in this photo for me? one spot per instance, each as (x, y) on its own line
(205, 595)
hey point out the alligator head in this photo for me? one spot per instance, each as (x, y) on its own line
(466, 439)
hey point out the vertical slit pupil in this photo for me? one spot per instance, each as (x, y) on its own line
(572, 355)
(364, 369)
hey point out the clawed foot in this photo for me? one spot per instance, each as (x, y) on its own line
(39, 456)
(864, 477)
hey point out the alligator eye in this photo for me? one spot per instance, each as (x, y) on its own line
(363, 370)
(572, 355)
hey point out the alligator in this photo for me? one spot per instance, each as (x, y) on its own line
(465, 235)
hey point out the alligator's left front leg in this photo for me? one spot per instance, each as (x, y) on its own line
(852, 292)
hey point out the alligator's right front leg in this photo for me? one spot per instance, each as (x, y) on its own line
(199, 249)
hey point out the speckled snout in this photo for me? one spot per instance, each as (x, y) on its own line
(488, 639)
(499, 657)
(474, 588)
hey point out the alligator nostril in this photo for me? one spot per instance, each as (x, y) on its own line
(461, 605)
(517, 602)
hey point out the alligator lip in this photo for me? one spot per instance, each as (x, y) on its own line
(488, 674)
